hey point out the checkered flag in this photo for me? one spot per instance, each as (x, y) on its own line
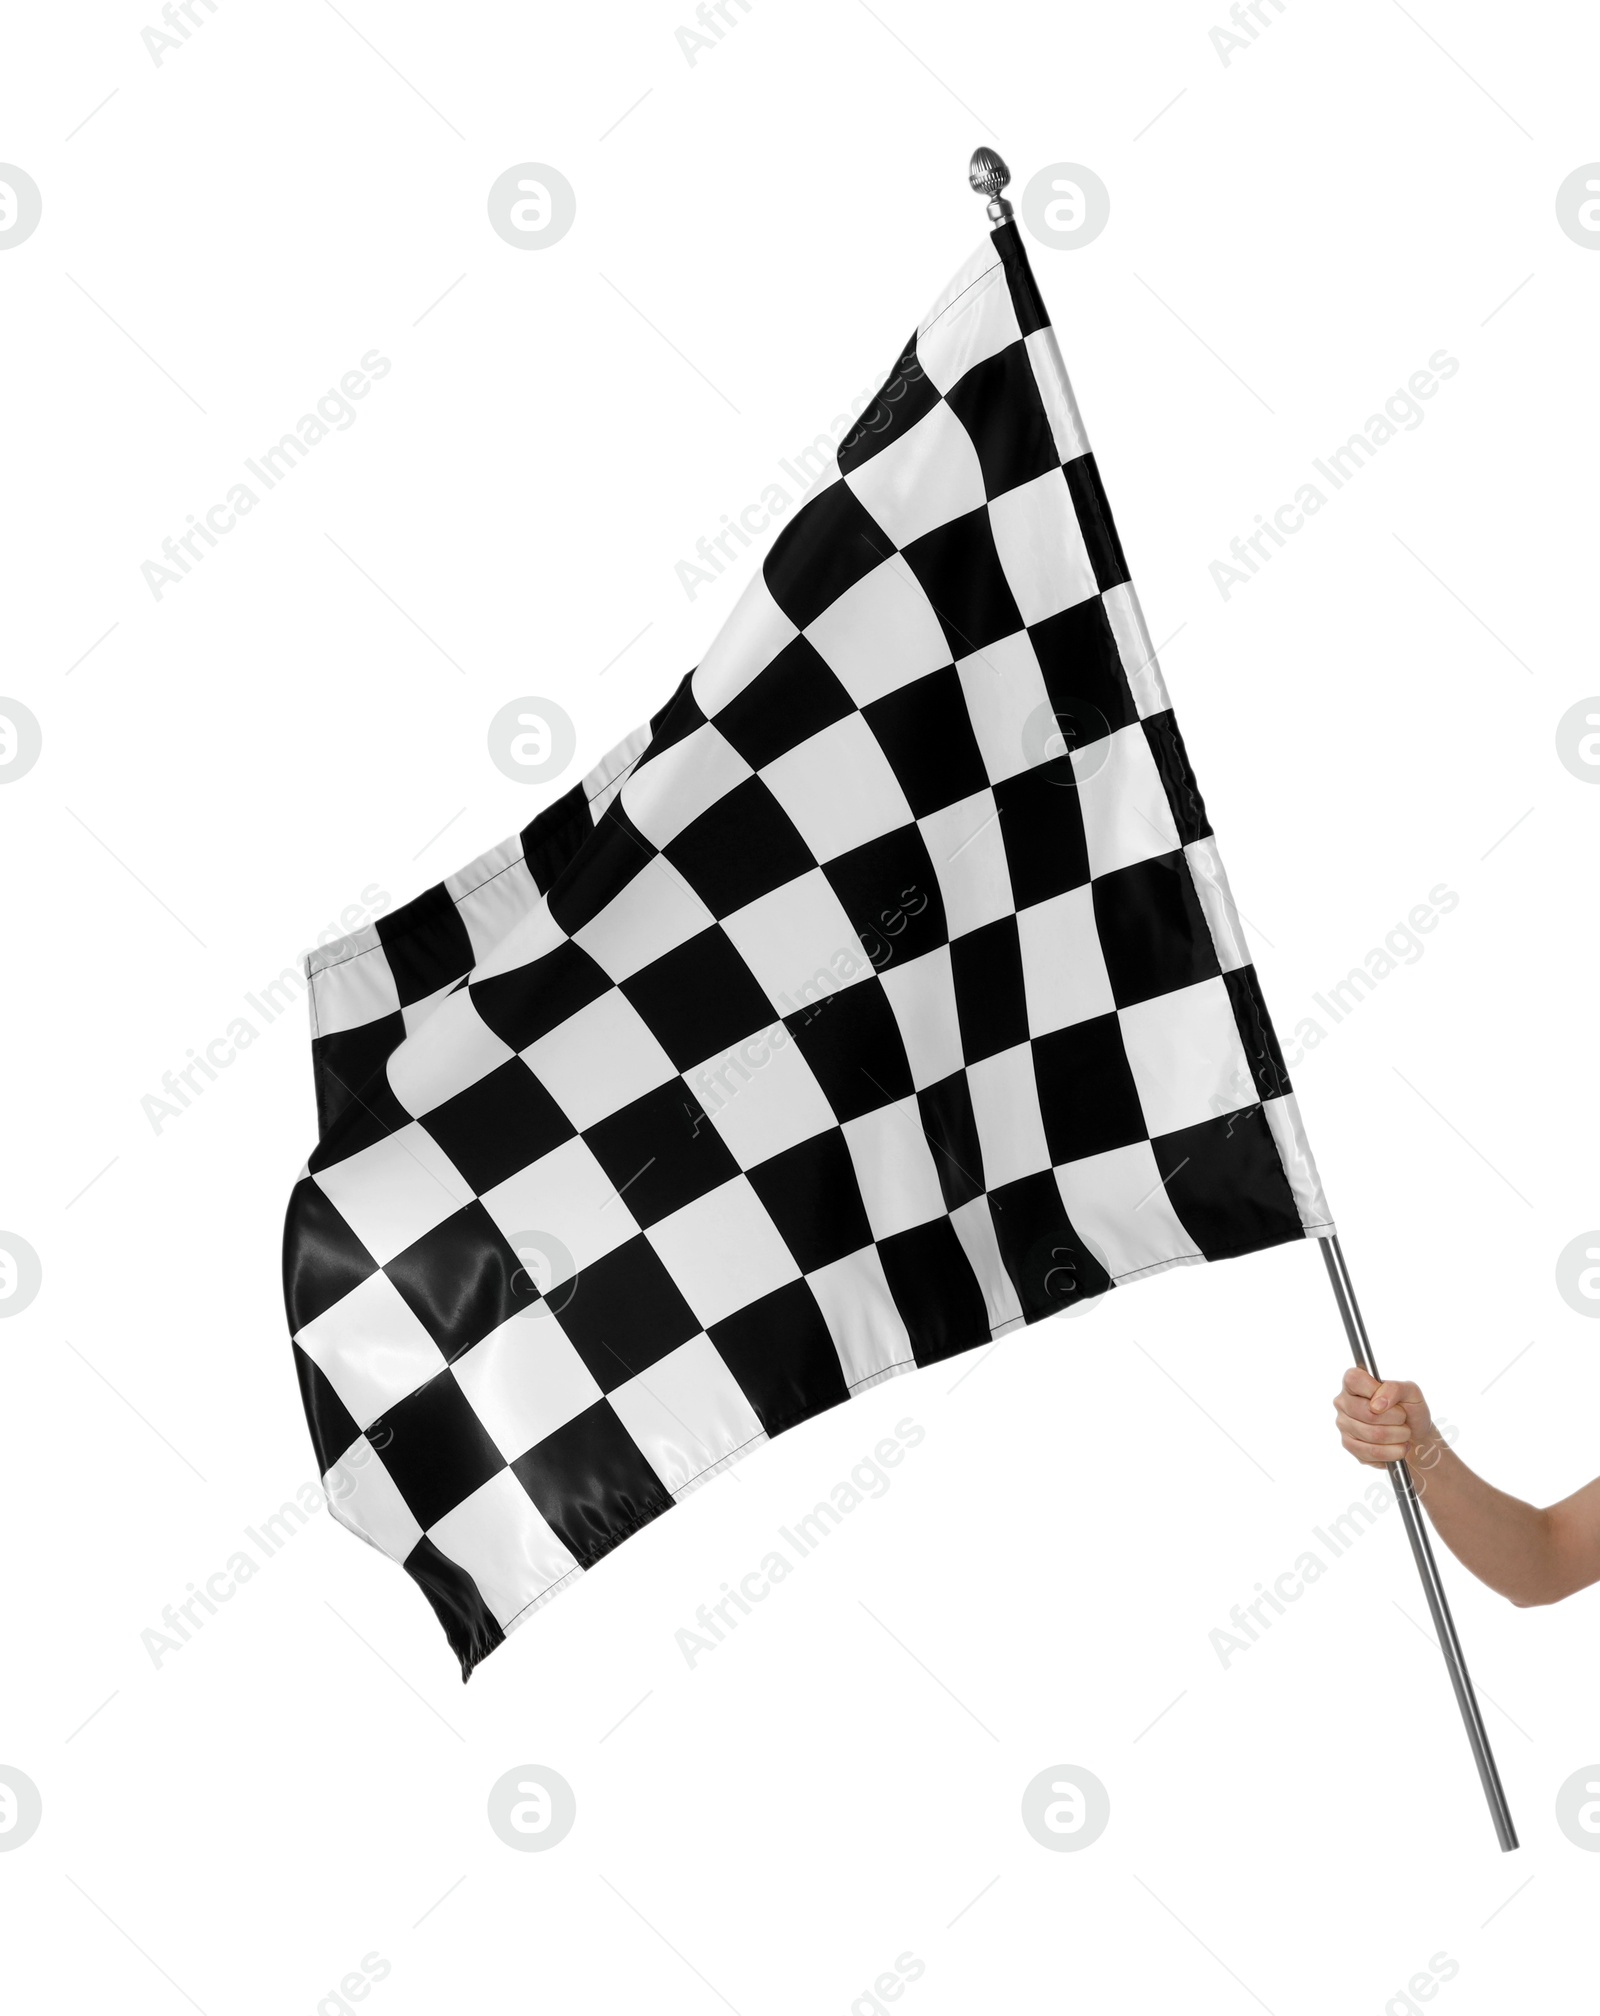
(883, 994)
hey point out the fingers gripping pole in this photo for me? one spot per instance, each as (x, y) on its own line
(1422, 1552)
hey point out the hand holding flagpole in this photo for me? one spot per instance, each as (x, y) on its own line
(1422, 1551)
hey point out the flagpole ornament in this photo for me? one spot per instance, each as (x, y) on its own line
(880, 995)
(989, 175)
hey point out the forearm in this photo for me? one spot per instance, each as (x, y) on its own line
(1512, 1546)
(1522, 1552)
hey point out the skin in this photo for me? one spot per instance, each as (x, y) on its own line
(1528, 1553)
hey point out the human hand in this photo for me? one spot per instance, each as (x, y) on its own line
(1385, 1421)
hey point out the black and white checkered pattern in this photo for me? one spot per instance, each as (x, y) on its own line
(883, 994)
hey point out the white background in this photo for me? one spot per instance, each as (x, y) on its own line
(304, 716)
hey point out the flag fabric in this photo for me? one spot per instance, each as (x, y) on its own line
(882, 994)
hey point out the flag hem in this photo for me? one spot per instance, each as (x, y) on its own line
(880, 1377)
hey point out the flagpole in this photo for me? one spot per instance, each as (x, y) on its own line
(989, 175)
(1422, 1552)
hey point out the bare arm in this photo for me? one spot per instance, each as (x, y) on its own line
(1528, 1553)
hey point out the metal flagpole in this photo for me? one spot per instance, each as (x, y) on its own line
(989, 175)
(1422, 1552)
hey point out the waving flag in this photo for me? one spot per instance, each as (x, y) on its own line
(883, 994)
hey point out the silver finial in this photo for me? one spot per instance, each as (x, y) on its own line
(988, 174)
